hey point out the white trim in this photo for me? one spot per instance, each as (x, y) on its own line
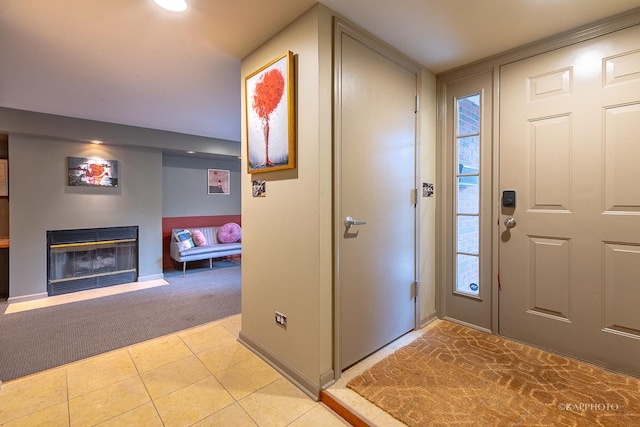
(25, 298)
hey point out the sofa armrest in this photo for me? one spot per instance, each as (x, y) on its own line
(175, 252)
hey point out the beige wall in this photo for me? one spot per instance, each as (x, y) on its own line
(287, 235)
(41, 200)
(427, 218)
(286, 252)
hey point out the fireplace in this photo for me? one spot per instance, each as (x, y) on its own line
(85, 259)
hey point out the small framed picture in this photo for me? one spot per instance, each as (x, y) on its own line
(427, 189)
(259, 188)
(218, 181)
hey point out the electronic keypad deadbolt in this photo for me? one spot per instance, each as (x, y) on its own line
(509, 199)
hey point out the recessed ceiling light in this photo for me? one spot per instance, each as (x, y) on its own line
(172, 5)
(96, 141)
(191, 152)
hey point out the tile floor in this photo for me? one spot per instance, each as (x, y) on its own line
(198, 377)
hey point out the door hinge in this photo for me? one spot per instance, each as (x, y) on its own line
(414, 290)
(414, 196)
(417, 103)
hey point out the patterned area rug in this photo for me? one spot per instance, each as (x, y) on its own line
(454, 375)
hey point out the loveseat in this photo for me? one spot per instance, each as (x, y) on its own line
(200, 243)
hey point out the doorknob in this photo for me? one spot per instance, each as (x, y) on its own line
(350, 222)
(510, 222)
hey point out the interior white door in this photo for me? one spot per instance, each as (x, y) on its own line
(570, 258)
(376, 175)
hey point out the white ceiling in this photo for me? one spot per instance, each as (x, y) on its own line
(129, 62)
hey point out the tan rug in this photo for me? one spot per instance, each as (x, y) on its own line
(454, 375)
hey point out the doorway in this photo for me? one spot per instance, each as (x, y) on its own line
(569, 250)
(375, 202)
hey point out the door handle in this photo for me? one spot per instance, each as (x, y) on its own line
(510, 222)
(350, 222)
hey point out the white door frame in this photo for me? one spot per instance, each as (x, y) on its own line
(342, 27)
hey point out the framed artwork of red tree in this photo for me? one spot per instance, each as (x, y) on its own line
(270, 116)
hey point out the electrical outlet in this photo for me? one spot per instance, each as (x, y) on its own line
(281, 319)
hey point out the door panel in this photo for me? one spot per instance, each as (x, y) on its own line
(569, 123)
(376, 172)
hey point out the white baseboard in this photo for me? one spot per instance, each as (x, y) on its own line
(25, 298)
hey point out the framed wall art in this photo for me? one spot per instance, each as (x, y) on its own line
(270, 116)
(218, 181)
(92, 172)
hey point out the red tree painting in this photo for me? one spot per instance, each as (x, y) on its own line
(266, 97)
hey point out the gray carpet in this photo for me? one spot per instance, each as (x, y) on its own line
(36, 340)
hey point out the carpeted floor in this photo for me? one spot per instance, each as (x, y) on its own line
(454, 375)
(36, 340)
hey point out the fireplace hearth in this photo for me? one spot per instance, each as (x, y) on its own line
(92, 258)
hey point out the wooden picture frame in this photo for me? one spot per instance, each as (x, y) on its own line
(218, 181)
(270, 116)
(4, 177)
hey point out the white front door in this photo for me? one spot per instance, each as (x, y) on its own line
(375, 176)
(569, 147)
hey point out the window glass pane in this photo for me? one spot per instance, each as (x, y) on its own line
(468, 234)
(468, 115)
(468, 194)
(469, 155)
(468, 274)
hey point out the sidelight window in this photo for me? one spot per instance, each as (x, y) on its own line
(467, 210)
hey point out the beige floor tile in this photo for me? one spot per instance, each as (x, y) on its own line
(108, 402)
(98, 372)
(193, 403)
(319, 416)
(174, 376)
(233, 324)
(145, 415)
(53, 416)
(245, 378)
(387, 420)
(206, 337)
(31, 394)
(160, 351)
(225, 356)
(232, 415)
(277, 404)
(357, 403)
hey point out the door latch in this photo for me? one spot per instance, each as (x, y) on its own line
(350, 222)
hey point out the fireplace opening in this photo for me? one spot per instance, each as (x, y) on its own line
(91, 258)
